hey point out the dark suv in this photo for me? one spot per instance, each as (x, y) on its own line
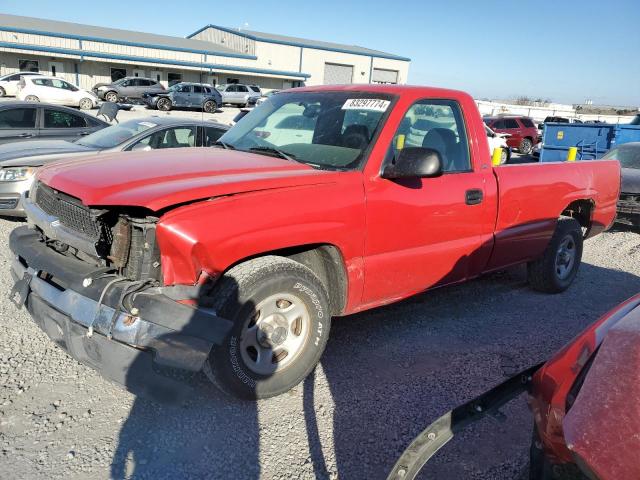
(127, 87)
(523, 133)
(185, 95)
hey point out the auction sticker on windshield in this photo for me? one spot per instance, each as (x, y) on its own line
(373, 104)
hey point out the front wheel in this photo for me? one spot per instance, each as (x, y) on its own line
(281, 317)
(164, 104)
(558, 267)
(31, 98)
(526, 146)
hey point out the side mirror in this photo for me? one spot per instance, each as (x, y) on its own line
(414, 162)
(140, 147)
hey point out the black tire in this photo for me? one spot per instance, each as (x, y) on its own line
(235, 297)
(546, 274)
(111, 96)
(2, 92)
(526, 146)
(163, 104)
(210, 106)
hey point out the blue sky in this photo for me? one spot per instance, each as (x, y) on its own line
(564, 50)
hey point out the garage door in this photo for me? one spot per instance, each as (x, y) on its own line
(335, 74)
(381, 75)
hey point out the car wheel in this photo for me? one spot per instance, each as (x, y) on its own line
(526, 146)
(164, 104)
(111, 97)
(2, 92)
(504, 157)
(210, 106)
(31, 98)
(558, 267)
(86, 104)
(281, 319)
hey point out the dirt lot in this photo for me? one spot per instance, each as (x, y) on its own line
(385, 375)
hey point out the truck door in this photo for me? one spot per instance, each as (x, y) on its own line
(423, 232)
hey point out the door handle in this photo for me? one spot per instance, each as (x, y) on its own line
(473, 196)
(85, 133)
(25, 135)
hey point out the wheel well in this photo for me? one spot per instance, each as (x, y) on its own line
(326, 262)
(581, 210)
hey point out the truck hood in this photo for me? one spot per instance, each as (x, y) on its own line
(37, 148)
(630, 180)
(160, 179)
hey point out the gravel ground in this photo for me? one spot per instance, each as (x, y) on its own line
(385, 375)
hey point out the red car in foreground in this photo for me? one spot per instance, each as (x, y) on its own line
(321, 202)
(585, 403)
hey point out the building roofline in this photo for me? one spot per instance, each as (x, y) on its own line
(129, 58)
(125, 42)
(293, 43)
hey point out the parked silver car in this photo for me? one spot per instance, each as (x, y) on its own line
(127, 88)
(238, 94)
(19, 161)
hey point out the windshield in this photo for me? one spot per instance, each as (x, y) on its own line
(115, 135)
(330, 130)
(628, 155)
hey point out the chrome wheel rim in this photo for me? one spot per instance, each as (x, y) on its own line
(565, 257)
(111, 97)
(209, 107)
(86, 104)
(503, 156)
(163, 105)
(275, 335)
(31, 98)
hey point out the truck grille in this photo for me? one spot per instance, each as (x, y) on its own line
(629, 203)
(68, 210)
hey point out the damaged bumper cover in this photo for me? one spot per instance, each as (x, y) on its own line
(141, 348)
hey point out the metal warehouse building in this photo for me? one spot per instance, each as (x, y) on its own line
(87, 55)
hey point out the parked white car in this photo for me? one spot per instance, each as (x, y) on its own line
(9, 83)
(55, 90)
(498, 140)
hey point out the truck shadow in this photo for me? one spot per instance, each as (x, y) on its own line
(388, 372)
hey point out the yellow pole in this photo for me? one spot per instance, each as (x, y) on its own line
(496, 158)
(572, 154)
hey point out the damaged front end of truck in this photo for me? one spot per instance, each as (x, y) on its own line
(92, 280)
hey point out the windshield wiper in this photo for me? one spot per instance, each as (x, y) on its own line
(224, 145)
(280, 153)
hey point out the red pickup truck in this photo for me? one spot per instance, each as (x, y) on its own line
(322, 202)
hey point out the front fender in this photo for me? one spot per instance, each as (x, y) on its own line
(211, 236)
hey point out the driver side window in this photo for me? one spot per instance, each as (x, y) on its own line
(169, 138)
(435, 124)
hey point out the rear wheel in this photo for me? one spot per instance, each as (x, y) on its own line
(111, 97)
(526, 146)
(558, 267)
(209, 106)
(164, 104)
(86, 104)
(31, 98)
(281, 317)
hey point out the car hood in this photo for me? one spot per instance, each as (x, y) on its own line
(160, 179)
(602, 426)
(630, 180)
(16, 153)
